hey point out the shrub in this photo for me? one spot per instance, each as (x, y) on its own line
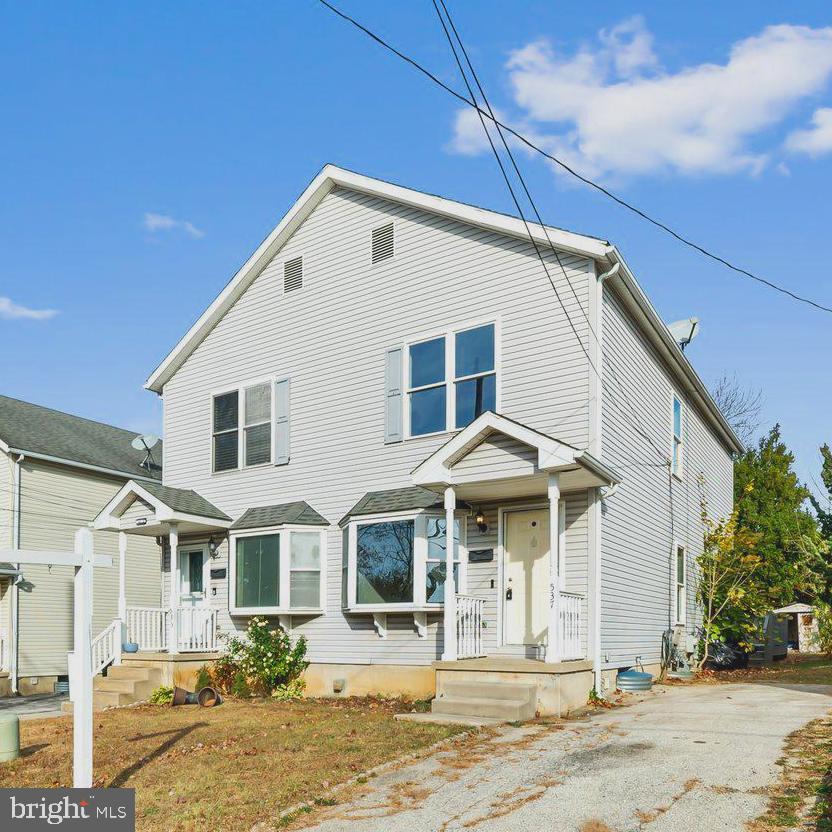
(163, 695)
(290, 690)
(203, 677)
(260, 662)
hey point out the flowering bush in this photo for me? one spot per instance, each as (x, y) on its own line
(263, 660)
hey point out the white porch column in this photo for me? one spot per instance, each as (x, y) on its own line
(173, 600)
(553, 647)
(122, 590)
(449, 612)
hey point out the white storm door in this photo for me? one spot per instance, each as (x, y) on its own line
(525, 600)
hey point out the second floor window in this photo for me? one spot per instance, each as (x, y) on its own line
(451, 380)
(242, 427)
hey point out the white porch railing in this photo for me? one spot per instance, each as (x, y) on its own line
(197, 629)
(469, 621)
(186, 630)
(570, 626)
(148, 627)
(106, 647)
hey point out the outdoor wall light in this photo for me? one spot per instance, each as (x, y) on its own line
(213, 546)
(480, 521)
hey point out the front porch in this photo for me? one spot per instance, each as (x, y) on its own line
(187, 623)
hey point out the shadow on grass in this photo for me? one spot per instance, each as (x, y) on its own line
(174, 736)
(33, 749)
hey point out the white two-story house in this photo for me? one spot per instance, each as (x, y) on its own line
(389, 365)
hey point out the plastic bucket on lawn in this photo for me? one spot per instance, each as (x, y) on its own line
(631, 680)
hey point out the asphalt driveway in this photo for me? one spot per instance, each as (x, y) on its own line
(681, 758)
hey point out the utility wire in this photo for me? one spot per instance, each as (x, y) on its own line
(586, 180)
(637, 424)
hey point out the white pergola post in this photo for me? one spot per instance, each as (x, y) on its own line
(173, 542)
(122, 589)
(449, 611)
(82, 661)
(553, 646)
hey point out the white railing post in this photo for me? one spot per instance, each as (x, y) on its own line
(553, 646)
(82, 661)
(173, 642)
(469, 613)
(449, 620)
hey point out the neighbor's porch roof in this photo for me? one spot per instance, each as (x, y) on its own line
(497, 458)
(148, 509)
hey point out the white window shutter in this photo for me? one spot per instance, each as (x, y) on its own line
(281, 421)
(393, 395)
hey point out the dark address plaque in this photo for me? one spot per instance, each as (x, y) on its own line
(480, 555)
(217, 574)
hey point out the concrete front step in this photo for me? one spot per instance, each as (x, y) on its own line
(140, 674)
(491, 690)
(508, 710)
(138, 689)
(449, 719)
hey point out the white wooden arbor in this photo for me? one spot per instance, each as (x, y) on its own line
(84, 559)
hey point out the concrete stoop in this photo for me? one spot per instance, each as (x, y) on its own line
(124, 685)
(498, 701)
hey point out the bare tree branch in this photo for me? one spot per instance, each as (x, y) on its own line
(740, 405)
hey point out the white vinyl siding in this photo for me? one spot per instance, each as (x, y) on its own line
(650, 508)
(56, 501)
(333, 339)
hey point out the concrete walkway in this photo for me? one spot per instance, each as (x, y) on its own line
(681, 758)
(38, 706)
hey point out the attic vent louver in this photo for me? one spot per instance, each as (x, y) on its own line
(293, 274)
(383, 242)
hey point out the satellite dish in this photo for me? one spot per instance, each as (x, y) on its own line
(144, 442)
(684, 331)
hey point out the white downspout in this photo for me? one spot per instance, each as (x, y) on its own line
(15, 599)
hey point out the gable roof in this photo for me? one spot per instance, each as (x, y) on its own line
(412, 498)
(184, 500)
(593, 248)
(299, 513)
(45, 433)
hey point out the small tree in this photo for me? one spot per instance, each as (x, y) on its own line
(730, 598)
(823, 619)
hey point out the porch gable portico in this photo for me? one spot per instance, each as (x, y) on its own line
(497, 460)
(155, 510)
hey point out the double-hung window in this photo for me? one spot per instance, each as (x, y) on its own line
(277, 570)
(247, 423)
(677, 460)
(451, 379)
(680, 581)
(398, 562)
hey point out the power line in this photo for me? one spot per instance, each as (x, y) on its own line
(637, 424)
(586, 180)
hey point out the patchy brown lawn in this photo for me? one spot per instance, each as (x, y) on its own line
(795, 670)
(225, 767)
(803, 798)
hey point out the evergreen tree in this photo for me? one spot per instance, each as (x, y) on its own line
(771, 503)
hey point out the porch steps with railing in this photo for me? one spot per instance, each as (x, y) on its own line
(504, 702)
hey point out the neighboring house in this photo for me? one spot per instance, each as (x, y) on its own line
(56, 470)
(388, 363)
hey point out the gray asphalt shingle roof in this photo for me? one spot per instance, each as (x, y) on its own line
(42, 430)
(397, 499)
(184, 500)
(299, 513)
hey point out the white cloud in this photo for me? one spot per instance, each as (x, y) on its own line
(9, 310)
(162, 222)
(610, 109)
(815, 140)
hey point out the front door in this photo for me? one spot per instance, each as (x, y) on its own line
(192, 577)
(526, 588)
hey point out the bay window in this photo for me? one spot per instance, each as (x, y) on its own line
(451, 379)
(277, 570)
(398, 562)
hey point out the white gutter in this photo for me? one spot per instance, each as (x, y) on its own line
(15, 600)
(86, 466)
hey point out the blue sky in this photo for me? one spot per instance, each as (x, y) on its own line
(147, 148)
